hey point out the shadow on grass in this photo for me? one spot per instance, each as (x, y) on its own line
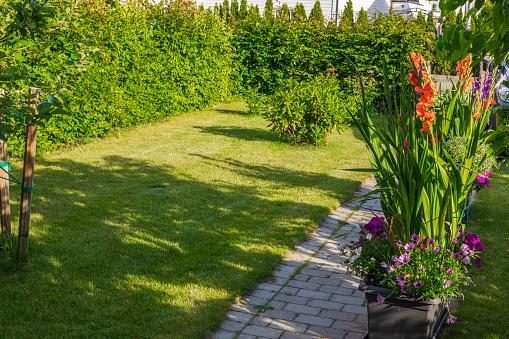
(116, 257)
(250, 134)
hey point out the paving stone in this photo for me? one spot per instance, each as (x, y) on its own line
(325, 281)
(260, 321)
(277, 305)
(262, 331)
(291, 299)
(313, 294)
(358, 294)
(269, 287)
(245, 336)
(282, 274)
(232, 326)
(350, 284)
(239, 316)
(255, 300)
(336, 290)
(354, 335)
(331, 220)
(288, 290)
(301, 277)
(312, 320)
(315, 273)
(246, 308)
(263, 294)
(350, 326)
(362, 318)
(338, 315)
(304, 284)
(302, 309)
(323, 261)
(280, 314)
(288, 335)
(294, 263)
(224, 335)
(355, 309)
(327, 305)
(326, 332)
(347, 299)
(280, 281)
(286, 268)
(288, 326)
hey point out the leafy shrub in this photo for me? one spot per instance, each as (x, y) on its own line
(306, 111)
(457, 149)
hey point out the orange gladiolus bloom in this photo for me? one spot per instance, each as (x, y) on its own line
(428, 95)
(420, 110)
(477, 115)
(425, 128)
(429, 116)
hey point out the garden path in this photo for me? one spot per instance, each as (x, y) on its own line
(309, 295)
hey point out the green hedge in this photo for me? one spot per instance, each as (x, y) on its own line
(272, 50)
(153, 61)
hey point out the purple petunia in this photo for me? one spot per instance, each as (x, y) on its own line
(383, 264)
(446, 283)
(399, 243)
(380, 299)
(404, 288)
(374, 225)
(422, 269)
(436, 249)
(431, 241)
(409, 246)
(403, 259)
(418, 284)
(394, 258)
(426, 249)
(466, 260)
(478, 263)
(460, 235)
(390, 269)
(457, 256)
(454, 240)
(450, 271)
(479, 247)
(415, 238)
(451, 319)
(400, 279)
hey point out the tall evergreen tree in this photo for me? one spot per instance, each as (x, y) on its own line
(221, 11)
(268, 13)
(347, 17)
(316, 13)
(243, 10)
(299, 13)
(253, 13)
(284, 13)
(201, 8)
(234, 11)
(226, 10)
(216, 10)
(362, 21)
(421, 20)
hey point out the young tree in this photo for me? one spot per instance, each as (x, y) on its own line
(362, 22)
(300, 12)
(347, 17)
(284, 13)
(226, 11)
(450, 19)
(234, 11)
(268, 13)
(421, 20)
(243, 10)
(253, 13)
(316, 13)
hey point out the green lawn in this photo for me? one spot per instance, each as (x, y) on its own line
(485, 311)
(154, 232)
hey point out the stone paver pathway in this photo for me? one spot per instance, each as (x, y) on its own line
(309, 296)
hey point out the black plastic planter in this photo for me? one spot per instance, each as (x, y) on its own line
(403, 317)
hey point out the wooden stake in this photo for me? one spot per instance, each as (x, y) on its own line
(4, 188)
(27, 183)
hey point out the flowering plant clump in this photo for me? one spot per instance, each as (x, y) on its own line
(422, 267)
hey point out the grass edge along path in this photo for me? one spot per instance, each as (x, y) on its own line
(484, 312)
(156, 231)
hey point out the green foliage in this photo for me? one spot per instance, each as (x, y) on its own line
(253, 14)
(450, 20)
(300, 12)
(284, 13)
(154, 61)
(305, 112)
(243, 10)
(347, 16)
(316, 15)
(362, 22)
(268, 13)
(226, 11)
(234, 11)
(459, 19)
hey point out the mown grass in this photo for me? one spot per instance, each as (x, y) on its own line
(484, 314)
(156, 231)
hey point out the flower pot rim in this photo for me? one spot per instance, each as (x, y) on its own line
(388, 293)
